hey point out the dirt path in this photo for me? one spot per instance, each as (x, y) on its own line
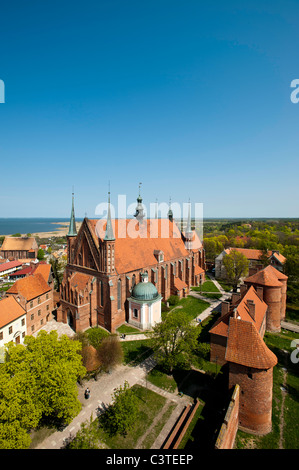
(155, 421)
(283, 394)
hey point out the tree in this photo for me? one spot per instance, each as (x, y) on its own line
(86, 437)
(236, 266)
(38, 380)
(174, 340)
(122, 414)
(40, 254)
(110, 352)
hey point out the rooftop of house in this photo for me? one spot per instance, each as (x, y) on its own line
(10, 310)
(44, 269)
(19, 244)
(241, 309)
(10, 265)
(30, 287)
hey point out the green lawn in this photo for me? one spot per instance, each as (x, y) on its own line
(150, 406)
(136, 351)
(193, 306)
(158, 377)
(207, 286)
(127, 329)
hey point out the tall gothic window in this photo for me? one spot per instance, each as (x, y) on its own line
(119, 294)
(101, 293)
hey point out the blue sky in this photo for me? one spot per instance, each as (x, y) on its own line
(190, 98)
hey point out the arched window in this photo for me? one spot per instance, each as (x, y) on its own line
(119, 294)
(133, 280)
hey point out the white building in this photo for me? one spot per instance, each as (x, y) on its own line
(144, 304)
(12, 321)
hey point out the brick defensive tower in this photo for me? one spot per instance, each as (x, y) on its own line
(274, 284)
(251, 367)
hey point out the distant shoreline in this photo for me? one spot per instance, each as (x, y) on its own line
(58, 232)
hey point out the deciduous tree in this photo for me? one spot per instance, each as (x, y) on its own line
(174, 340)
(236, 265)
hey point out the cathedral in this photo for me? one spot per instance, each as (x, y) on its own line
(119, 270)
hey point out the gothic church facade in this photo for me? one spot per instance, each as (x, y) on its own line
(106, 259)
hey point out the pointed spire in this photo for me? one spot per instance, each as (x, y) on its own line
(188, 228)
(72, 227)
(139, 214)
(170, 213)
(109, 235)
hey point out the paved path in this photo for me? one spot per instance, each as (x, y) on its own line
(290, 326)
(103, 388)
(101, 396)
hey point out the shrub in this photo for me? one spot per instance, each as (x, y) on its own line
(173, 300)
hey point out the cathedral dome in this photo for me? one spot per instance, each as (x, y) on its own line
(145, 291)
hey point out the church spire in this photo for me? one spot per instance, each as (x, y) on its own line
(72, 227)
(139, 214)
(170, 213)
(188, 228)
(109, 235)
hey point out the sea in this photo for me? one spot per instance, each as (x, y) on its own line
(10, 226)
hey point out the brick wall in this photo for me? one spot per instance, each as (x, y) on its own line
(229, 428)
(218, 347)
(39, 312)
(255, 413)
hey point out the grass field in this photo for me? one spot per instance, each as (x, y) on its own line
(154, 411)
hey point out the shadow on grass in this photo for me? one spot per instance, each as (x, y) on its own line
(213, 392)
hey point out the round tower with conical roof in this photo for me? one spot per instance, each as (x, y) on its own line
(274, 294)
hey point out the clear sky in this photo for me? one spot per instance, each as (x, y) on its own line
(191, 98)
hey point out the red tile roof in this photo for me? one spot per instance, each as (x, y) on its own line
(44, 270)
(10, 310)
(79, 280)
(198, 270)
(279, 257)
(246, 347)
(241, 309)
(18, 243)
(179, 284)
(248, 252)
(133, 252)
(30, 287)
(9, 265)
(21, 272)
(265, 277)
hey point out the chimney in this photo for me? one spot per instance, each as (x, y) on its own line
(225, 306)
(260, 292)
(236, 296)
(251, 308)
(252, 270)
(243, 289)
